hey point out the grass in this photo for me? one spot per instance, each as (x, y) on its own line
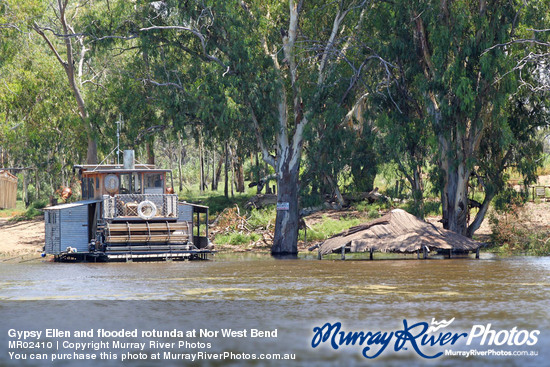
(264, 219)
(30, 213)
(432, 208)
(18, 210)
(512, 233)
(372, 209)
(532, 244)
(329, 227)
(216, 200)
(237, 239)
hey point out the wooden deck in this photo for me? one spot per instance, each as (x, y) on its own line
(137, 254)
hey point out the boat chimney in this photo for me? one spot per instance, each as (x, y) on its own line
(129, 160)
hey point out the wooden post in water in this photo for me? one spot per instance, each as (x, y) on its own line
(343, 252)
(425, 249)
(450, 253)
(418, 254)
(371, 254)
(477, 253)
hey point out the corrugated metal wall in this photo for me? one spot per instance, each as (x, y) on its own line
(66, 226)
(74, 228)
(185, 212)
(51, 218)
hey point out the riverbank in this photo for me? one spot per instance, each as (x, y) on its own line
(23, 241)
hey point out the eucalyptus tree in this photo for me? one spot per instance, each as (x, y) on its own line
(460, 87)
(279, 62)
(39, 128)
(341, 153)
(514, 146)
(405, 138)
(311, 56)
(10, 30)
(405, 135)
(529, 41)
(69, 48)
(10, 43)
(518, 145)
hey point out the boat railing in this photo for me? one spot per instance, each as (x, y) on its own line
(144, 206)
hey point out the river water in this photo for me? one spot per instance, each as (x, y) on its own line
(289, 296)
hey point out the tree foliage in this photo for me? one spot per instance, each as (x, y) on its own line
(451, 81)
(327, 93)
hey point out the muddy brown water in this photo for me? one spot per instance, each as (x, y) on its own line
(292, 296)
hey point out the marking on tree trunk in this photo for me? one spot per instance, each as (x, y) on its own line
(283, 206)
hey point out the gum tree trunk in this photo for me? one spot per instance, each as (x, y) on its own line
(217, 173)
(455, 200)
(226, 171)
(149, 147)
(418, 189)
(293, 116)
(201, 166)
(239, 172)
(480, 216)
(286, 221)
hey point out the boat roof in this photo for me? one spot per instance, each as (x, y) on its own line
(203, 208)
(73, 205)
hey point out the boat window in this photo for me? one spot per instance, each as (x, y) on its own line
(90, 187)
(154, 183)
(125, 183)
(130, 183)
(136, 183)
(153, 180)
(87, 188)
(84, 188)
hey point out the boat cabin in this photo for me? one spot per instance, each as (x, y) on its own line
(114, 180)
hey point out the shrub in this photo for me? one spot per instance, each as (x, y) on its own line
(373, 213)
(237, 239)
(512, 232)
(509, 200)
(262, 218)
(39, 204)
(32, 211)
